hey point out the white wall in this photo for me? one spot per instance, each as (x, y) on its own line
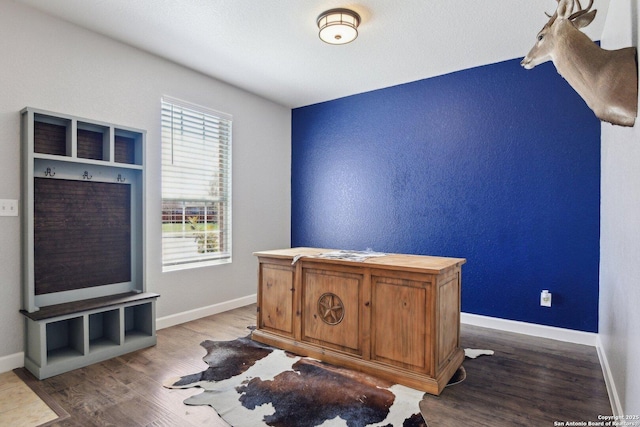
(619, 317)
(52, 65)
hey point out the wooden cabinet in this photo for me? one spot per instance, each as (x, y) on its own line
(84, 292)
(395, 316)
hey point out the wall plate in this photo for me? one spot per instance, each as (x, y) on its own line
(8, 207)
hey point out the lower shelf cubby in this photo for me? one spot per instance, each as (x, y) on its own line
(65, 340)
(104, 330)
(68, 336)
(138, 322)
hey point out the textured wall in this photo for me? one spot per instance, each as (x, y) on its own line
(620, 234)
(495, 164)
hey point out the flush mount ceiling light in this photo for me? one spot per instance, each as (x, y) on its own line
(338, 26)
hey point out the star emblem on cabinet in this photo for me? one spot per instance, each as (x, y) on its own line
(330, 309)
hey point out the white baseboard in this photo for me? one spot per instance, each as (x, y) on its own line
(187, 316)
(532, 329)
(612, 391)
(11, 362)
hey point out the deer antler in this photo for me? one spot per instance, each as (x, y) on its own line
(552, 18)
(580, 12)
(574, 15)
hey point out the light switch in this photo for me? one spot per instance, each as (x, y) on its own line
(8, 207)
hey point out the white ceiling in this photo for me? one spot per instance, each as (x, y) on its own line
(271, 47)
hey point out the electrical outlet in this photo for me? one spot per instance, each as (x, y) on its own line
(8, 207)
(545, 298)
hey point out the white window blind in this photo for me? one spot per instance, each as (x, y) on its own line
(196, 185)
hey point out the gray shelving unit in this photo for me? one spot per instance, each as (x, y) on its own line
(84, 293)
(68, 336)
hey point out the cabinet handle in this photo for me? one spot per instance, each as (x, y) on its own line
(366, 304)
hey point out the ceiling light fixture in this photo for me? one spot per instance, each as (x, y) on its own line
(338, 26)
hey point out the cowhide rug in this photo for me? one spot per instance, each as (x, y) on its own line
(251, 384)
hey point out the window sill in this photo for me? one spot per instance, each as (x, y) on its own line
(192, 265)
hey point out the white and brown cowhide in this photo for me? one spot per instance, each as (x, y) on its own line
(252, 384)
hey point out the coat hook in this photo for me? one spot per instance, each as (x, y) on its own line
(120, 178)
(86, 175)
(48, 172)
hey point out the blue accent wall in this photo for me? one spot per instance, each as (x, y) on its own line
(495, 164)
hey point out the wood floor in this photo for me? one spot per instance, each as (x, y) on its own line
(529, 381)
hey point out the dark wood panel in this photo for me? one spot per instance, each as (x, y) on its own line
(90, 144)
(57, 310)
(82, 234)
(50, 139)
(125, 150)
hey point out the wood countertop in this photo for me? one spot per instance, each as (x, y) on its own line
(419, 263)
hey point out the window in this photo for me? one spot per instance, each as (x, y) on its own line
(196, 186)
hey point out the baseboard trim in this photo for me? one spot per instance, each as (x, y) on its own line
(612, 391)
(198, 313)
(11, 362)
(531, 329)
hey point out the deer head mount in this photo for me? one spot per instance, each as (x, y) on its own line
(607, 80)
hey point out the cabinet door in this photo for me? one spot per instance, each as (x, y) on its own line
(276, 298)
(331, 311)
(400, 324)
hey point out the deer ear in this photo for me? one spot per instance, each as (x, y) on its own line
(584, 20)
(565, 7)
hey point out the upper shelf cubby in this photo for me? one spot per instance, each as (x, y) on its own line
(93, 141)
(51, 135)
(68, 138)
(128, 147)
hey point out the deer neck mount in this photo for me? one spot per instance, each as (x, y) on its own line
(607, 80)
